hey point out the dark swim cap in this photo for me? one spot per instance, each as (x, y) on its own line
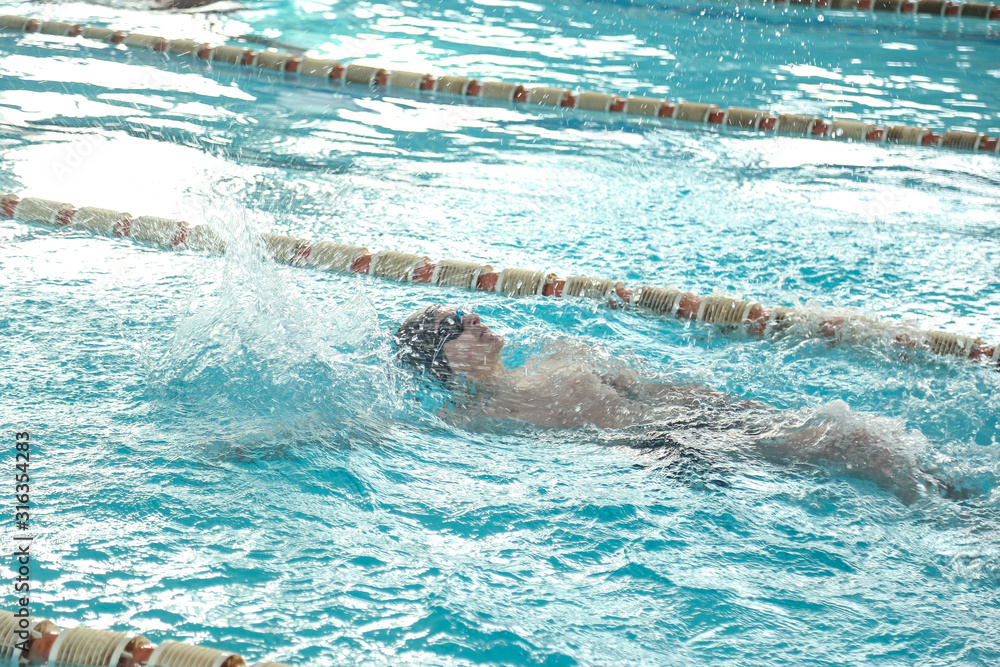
(420, 344)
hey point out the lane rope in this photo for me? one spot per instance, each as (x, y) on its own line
(337, 74)
(26, 640)
(752, 318)
(986, 11)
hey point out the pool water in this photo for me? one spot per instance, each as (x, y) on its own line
(225, 453)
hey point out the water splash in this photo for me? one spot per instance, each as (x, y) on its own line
(257, 349)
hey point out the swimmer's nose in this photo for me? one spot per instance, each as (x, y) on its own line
(471, 319)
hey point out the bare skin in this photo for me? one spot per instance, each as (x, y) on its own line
(560, 390)
(565, 390)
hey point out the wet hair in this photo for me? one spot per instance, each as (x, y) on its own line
(420, 342)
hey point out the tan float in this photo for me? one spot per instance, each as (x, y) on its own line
(185, 47)
(694, 112)
(336, 257)
(453, 85)
(317, 67)
(280, 247)
(455, 273)
(595, 102)
(231, 55)
(747, 119)
(97, 220)
(148, 42)
(590, 288)
(659, 300)
(403, 79)
(203, 237)
(978, 10)
(643, 106)
(84, 647)
(964, 140)
(934, 7)
(723, 310)
(791, 123)
(38, 211)
(362, 74)
(103, 35)
(18, 23)
(521, 282)
(850, 129)
(903, 134)
(60, 28)
(175, 654)
(8, 640)
(398, 266)
(500, 90)
(10, 628)
(154, 230)
(273, 60)
(949, 344)
(547, 97)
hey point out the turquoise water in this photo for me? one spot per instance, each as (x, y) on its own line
(226, 455)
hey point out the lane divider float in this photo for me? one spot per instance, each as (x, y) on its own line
(727, 312)
(25, 640)
(987, 11)
(336, 73)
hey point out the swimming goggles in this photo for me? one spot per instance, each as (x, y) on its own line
(450, 327)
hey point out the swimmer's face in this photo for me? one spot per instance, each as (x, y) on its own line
(476, 351)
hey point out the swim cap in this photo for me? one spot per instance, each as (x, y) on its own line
(420, 344)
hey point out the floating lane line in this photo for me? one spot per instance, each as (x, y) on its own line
(369, 77)
(27, 640)
(986, 11)
(731, 314)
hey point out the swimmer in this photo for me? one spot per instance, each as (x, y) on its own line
(193, 4)
(569, 388)
(560, 390)
(188, 6)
